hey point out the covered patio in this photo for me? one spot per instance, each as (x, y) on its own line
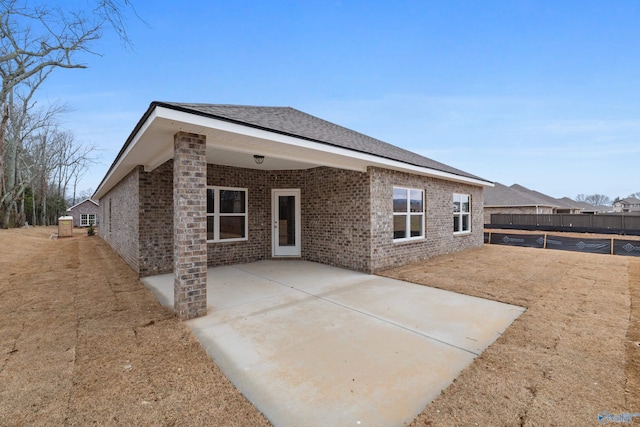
(311, 344)
(205, 185)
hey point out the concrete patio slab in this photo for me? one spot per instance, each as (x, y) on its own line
(310, 344)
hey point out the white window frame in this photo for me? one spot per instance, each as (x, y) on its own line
(216, 214)
(87, 220)
(459, 215)
(409, 215)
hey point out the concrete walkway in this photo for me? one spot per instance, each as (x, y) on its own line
(313, 345)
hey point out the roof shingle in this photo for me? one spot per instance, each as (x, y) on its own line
(292, 122)
(501, 195)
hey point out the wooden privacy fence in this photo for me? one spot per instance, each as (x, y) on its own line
(618, 224)
(613, 246)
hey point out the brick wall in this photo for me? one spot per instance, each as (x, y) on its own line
(439, 238)
(347, 217)
(336, 229)
(156, 220)
(119, 218)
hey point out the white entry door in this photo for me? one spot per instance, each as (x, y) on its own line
(286, 222)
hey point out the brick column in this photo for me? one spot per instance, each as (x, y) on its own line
(189, 225)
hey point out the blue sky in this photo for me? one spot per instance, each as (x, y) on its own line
(545, 94)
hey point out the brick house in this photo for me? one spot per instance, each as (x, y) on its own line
(627, 205)
(84, 213)
(199, 185)
(516, 199)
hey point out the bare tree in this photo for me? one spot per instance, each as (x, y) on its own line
(24, 122)
(636, 195)
(72, 161)
(53, 156)
(600, 200)
(77, 173)
(36, 39)
(594, 199)
(84, 194)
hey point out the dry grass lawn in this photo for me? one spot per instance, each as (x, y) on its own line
(83, 342)
(574, 353)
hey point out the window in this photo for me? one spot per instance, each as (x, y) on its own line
(87, 219)
(226, 214)
(408, 214)
(461, 213)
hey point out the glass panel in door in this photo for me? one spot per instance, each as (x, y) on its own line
(286, 220)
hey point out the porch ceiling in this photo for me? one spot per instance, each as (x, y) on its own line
(231, 147)
(228, 144)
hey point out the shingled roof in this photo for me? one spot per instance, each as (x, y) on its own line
(630, 201)
(537, 197)
(517, 195)
(292, 122)
(501, 195)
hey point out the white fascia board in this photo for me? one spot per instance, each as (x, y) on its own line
(124, 155)
(85, 200)
(370, 159)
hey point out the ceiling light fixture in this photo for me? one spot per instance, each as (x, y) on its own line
(258, 159)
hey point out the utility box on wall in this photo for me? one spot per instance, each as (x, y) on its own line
(65, 226)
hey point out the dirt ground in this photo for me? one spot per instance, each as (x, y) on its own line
(83, 342)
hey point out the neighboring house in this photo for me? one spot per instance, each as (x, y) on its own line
(517, 199)
(587, 208)
(560, 206)
(84, 213)
(198, 185)
(630, 204)
(501, 199)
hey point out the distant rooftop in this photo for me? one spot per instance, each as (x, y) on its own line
(519, 196)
